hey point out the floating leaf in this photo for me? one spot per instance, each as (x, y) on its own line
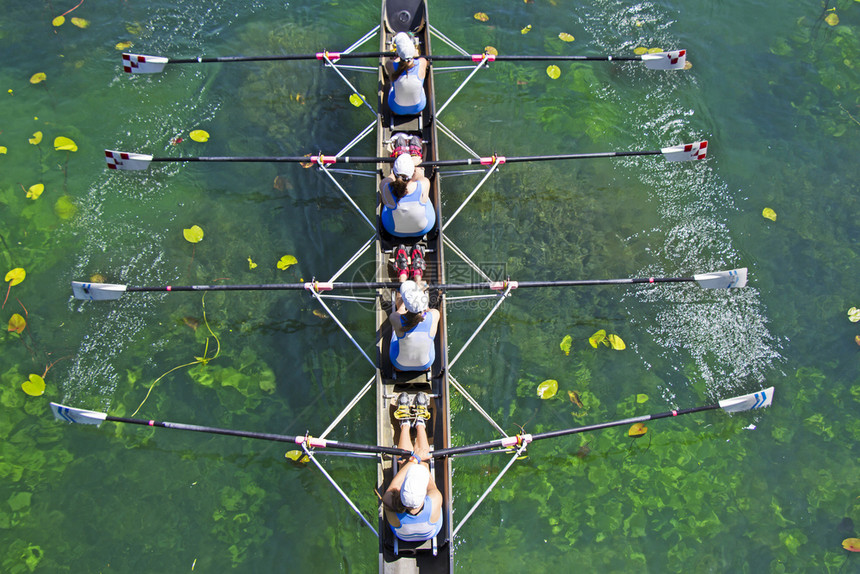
(854, 314)
(480, 16)
(286, 261)
(553, 72)
(58, 21)
(356, 100)
(2, 149)
(17, 323)
(768, 213)
(857, 339)
(193, 234)
(36, 78)
(491, 51)
(35, 386)
(297, 456)
(15, 276)
(123, 45)
(639, 50)
(547, 389)
(200, 135)
(851, 544)
(565, 37)
(64, 144)
(597, 338)
(641, 398)
(65, 208)
(320, 314)
(637, 430)
(616, 343)
(655, 50)
(251, 264)
(526, 30)
(574, 398)
(80, 22)
(832, 19)
(37, 137)
(35, 191)
(97, 278)
(565, 344)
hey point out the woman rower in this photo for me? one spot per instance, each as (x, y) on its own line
(406, 97)
(412, 502)
(406, 207)
(413, 323)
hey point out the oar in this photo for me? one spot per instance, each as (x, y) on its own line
(73, 415)
(748, 402)
(673, 60)
(130, 161)
(732, 279)
(143, 64)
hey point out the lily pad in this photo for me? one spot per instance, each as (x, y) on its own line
(286, 261)
(832, 19)
(34, 386)
(36, 78)
(251, 264)
(597, 338)
(62, 143)
(15, 276)
(637, 430)
(36, 138)
(17, 323)
(200, 135)
(356, 100)
(491, 51)
(615, 342)
(58, 21)
(768, 213)
(553, 72)
(65, 207)
(565, 37)
(854, 314)
(851, 544)
(81, 22)
(566, 343)
(193, 234)
(526, 30)
(641, 398)
(547, 389)
(297, 456)
(481, 17)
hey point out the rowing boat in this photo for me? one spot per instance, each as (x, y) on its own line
(435, 555)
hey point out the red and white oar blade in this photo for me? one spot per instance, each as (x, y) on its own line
(127, 161)
(140, 64)
(686, 152)
(72, 415)
(748, 402)
(97, 291)
(674, 60)
(732, 279)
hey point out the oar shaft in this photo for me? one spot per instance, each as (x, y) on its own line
(262, 436)
(283, 57)
(276, 159)
(540, 58)
(529, 158)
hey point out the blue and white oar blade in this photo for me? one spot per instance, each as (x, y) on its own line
(141, 64)
(72, 415)
(674, 60)
(686, 152)
(723, 279)
(748, 402)
(126, 160)
(97, 291)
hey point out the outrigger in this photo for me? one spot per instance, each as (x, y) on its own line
(409, 16)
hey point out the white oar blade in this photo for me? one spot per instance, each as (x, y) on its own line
(97, 291)
(723, 279)
(749, 402)
(140, 64)
(81, 416)
(674, 60)
(686, 152)
(127, 161)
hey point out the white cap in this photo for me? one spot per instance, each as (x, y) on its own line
(404, 45)
(404, 165)
(414, 298)
(414, 488)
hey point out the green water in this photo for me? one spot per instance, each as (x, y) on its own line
(773, 87)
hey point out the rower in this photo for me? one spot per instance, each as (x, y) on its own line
(406, 97)
(414, 326)
(406, 207)
(412, 502)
